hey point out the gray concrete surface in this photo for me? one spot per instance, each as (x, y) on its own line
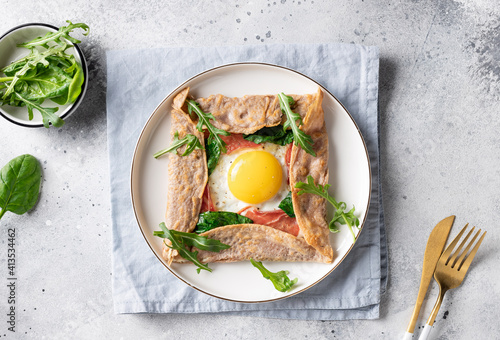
(439, 93)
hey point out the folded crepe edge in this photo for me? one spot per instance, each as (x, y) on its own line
(187, 175)
(310, 209)
(259, 242)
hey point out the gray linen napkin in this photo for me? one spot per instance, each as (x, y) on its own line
(137, 82)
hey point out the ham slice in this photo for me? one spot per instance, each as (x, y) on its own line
(206, 201)
(236, 141)
(277, 219)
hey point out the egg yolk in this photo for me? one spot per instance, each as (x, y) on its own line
(255, 177)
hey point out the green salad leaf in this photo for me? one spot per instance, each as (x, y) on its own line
(213, 155)
(61, 81)
(181, 241)
(274, 134)
(300, 137)
(213, 219)
(280, 279)
(190, 140)
(340, 216)
(204, 120)
(47, 72)
(58, 37)
(75, 81)
(46, 82)
(214, 144)
(193, 240)
(19, 184)
(287, 206)
(48, 113)
(18, 69)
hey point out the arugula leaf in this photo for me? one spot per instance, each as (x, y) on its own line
(300, 137)
(193, 240)
(57, 37)
(274, 134)
(287, 206)
(213, 219)
(213, 154)
(181, 240)
(204, 120)
(48, 114)
(178, 245)
(280, 279)
(19, 184)
(340, 215)
(190, 140)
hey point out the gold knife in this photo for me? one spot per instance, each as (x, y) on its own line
(435, 246)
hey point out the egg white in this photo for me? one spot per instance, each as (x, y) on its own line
(223, 198)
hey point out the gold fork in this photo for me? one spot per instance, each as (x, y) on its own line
(451, 270)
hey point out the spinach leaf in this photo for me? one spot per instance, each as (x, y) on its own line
(181, 240)
(76, 78)
(287, 206)
(213, 219)
(213, 154)
(274, 134)
(19, 184)
(29, 64)
(340, 216)
(280, 279)
(50, 82)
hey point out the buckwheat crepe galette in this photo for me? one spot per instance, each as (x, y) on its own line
(252, 179)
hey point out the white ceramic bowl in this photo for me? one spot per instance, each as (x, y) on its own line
(9, 52)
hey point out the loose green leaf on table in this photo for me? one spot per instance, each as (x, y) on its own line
(280, 279)
(340, 215)
(274, 134)
(181, 240)
(19, 184)
(213, 219)
(300, 137)
(191, 141)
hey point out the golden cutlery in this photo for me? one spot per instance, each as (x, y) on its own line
(451, 269)
(434, 248)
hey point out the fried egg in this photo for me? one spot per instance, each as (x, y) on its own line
(250, 177)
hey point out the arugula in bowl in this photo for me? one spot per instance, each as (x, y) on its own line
(47, 71)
